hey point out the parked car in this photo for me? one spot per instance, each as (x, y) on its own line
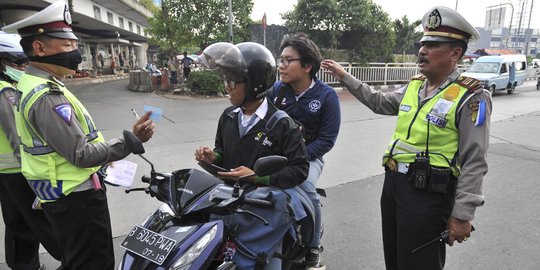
(498, 73)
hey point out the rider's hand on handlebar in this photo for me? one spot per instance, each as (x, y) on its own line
(144, 127)
(238, 172)
(206, 154)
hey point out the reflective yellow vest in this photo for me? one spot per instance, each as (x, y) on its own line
(411, 134)
(49, 173)
(8, 161)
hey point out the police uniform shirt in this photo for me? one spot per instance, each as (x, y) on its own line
(472, 149)
(68, 139)
(7, 119)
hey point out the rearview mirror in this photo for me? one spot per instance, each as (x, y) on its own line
(268, 165)
(133, 143)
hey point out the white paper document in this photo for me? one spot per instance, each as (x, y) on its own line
(121, 173)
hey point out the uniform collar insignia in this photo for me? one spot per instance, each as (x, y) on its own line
(57, 81)
(64, 110)
(434, 20)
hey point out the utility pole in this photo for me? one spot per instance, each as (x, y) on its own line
(527, 40)
(230, 22)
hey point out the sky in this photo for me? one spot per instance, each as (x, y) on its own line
(473, 10)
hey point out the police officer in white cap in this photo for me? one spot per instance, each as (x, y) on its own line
(436, 159)
(61, 149)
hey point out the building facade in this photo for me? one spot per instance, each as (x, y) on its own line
(112, 33)
(508, 26)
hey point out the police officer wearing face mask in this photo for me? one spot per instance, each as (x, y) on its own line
(25, 227)
(61, 148)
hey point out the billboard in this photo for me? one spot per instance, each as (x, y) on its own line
(495, 18)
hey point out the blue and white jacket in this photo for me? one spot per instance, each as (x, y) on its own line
(317, 110)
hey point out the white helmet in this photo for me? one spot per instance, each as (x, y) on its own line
(10, 48)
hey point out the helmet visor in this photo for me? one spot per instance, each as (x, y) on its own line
(225, 60)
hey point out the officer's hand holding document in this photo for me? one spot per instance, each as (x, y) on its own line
(121, 173)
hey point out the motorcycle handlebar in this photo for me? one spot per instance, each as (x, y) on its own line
(145, 179)
(258, 202)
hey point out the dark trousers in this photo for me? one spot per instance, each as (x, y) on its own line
(83, 225)
(410, 218)
(174, 78)
(186, 72)
(25, 227)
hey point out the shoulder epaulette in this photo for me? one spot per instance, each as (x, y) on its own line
(54, 88)
(470, 83)
(420, 77)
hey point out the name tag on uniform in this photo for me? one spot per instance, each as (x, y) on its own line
(436, 120)
(405, 108)
(442, 107)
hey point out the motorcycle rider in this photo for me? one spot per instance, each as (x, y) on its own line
(249, 71)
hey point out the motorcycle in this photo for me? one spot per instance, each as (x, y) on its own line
(183, 233)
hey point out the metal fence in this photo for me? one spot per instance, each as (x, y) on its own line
(379, 73)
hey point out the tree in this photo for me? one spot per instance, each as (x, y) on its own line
(406, 35)
(183, 24)
(358, 26)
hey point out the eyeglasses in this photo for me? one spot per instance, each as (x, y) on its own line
(231, 83)
(287, 61)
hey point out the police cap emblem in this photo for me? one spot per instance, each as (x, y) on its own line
(67, 15)
(434, 20)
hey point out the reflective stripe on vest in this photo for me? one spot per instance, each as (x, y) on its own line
(440, 112)
(8, 161)
(39, 160)
(45, 191)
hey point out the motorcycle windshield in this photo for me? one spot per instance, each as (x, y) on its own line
(191, 184)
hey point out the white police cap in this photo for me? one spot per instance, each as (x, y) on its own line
(443, 24)
(54, 21)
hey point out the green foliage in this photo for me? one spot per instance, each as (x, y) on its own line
(184, 24)
(406, 35)
(359, 26)
(149, 4)
(205, 82)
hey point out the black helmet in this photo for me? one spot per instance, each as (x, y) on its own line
(247, 61)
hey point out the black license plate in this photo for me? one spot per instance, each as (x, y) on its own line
(148, 244)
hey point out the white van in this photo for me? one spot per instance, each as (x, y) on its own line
(503, 72)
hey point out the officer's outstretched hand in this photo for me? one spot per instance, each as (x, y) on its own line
(334, 68)
(144, 127)
(458, 230)
(236, 173)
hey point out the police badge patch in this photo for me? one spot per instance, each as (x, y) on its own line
(64, 110)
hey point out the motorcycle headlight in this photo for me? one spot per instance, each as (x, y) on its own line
(185, 261)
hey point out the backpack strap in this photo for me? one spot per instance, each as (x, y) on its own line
(280, 95)
(274, 119)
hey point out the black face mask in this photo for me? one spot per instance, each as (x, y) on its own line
(69, 60)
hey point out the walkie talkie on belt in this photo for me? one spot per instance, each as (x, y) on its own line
(420, 175)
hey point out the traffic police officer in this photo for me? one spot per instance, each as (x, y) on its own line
(61, 149)
(25, 227)
(436, 160)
